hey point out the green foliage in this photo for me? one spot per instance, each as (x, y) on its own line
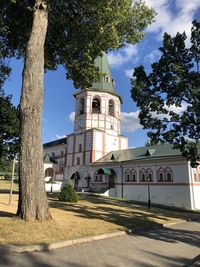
(68, 194)
(51, 181)
(8, 176)
(9, 129)
(77, 32)
(169, 97)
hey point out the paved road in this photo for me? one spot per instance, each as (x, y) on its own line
(174, 246)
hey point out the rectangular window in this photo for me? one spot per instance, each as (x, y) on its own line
(80, 148)
(77, 161)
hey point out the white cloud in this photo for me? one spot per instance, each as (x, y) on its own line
(126, 54)
(153, 56)
(130, 121)
(177, 110)
(170, 22)
(129, 72)
(72, 116)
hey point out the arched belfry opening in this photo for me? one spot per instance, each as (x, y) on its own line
(111, 108)
(96, 105)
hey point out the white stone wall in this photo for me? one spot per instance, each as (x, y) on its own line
(47, 165)
(179, 169)
(123, 142)
(195, 186)
(70, 148)
(170, 195)
(196, 193)
(176, 193)
(83, 171)
(55, 152)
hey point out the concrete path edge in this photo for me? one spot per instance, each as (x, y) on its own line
(47, 247)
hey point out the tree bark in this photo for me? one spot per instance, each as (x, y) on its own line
(33, 203)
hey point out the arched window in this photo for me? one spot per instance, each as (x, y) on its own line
(133, 176)
(49, 172)
(82, 105)
(127, 175)
(96, 105)
(97, 177)
(168, 175)
(111, 108)
(143, 175)
(160, 175)
(149, 175)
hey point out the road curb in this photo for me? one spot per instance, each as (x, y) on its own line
(174, 222)
(73, 242)
(62, 244)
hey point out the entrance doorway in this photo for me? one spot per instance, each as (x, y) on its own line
(111, 181)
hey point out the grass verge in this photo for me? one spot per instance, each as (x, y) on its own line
(89, 217)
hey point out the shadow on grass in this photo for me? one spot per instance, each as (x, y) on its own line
(7, 191)
(113, 211)
(7, 214)
(138, 219)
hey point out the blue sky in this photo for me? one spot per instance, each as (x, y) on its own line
(172, 16)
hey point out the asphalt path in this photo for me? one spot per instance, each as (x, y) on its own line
(176, 245)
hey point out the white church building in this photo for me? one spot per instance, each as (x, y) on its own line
(96, 156)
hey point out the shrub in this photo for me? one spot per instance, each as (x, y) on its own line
(51, 181)
(68, 194)
(8, 176)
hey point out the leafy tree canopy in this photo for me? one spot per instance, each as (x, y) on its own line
(169, 96)
(77, 31)
(67, 32)
(9, 128)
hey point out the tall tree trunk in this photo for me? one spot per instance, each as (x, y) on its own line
(33, 203)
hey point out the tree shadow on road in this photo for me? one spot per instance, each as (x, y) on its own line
(172, 235)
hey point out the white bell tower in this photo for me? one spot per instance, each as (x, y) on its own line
(97, 128)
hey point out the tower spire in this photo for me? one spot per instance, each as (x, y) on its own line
(106, 82)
